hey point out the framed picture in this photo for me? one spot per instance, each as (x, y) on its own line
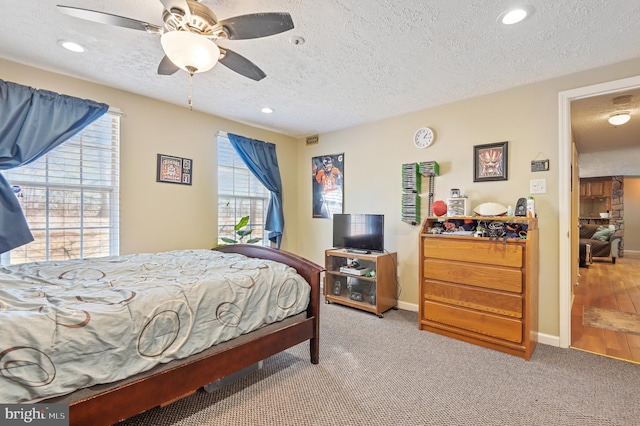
(174, 169)
(490, 162)
(328, 181)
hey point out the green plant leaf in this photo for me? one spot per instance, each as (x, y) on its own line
(244, 232)
(253, 240)
(228, 240)
(242, 223)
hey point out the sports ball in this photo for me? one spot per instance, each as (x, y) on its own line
(439, 208)
(490, 209)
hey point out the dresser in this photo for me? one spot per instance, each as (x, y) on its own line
(478, 289)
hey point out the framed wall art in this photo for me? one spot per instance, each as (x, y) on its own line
(328, 178)
(490, 162)
(174, 169)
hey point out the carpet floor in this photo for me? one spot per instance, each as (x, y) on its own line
(384, 371)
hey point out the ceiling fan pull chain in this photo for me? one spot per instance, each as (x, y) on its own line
(190, 90)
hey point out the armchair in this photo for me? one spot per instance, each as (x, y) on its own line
(605, 241)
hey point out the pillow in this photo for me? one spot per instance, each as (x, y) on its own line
(603, 233)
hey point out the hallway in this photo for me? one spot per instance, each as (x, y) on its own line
(612, 287)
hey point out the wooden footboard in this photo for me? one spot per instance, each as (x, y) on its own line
(169, 383)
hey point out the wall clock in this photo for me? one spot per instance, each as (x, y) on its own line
(424, 137)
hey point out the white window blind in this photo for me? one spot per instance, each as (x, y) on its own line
(70, 196)
(239, 194)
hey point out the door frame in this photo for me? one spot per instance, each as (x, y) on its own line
(564, 189)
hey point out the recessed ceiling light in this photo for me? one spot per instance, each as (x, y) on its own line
(515, 15)
(619, 119)
(267, 110)
(72, 46)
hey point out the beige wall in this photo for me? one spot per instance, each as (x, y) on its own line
(526, 116)
(161, 216)
(631, 213)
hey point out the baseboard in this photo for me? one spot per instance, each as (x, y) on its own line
(547, 339)
(634, 254)
(407, 306)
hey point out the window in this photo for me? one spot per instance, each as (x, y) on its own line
(70, 196)
(239, 194)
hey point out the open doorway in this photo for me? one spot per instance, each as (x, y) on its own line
(567, 181)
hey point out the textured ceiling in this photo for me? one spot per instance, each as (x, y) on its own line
(591, 129)
(362, 60)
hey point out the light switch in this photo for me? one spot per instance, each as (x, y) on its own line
(538, 186)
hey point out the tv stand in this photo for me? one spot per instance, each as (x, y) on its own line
(376, 291)
(358, 251)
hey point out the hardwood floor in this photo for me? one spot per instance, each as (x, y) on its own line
(608, 286)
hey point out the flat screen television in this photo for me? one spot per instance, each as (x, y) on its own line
(359, 232)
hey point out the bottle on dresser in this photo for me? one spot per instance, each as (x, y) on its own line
(531, 208)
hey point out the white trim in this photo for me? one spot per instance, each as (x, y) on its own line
(547, 339)
(407, 306)
(564, 187)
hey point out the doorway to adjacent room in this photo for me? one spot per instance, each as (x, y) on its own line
(601, 278)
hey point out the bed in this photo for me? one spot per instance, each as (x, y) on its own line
(169, 363)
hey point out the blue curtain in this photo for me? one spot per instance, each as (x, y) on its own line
(260, 158)
(32, 123)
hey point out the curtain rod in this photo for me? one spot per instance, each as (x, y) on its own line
(116, 111)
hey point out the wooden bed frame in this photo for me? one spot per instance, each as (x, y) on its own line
(109, 404)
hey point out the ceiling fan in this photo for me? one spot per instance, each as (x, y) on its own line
(190, 32)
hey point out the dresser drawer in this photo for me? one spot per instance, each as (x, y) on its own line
(468, 297)
(481, 323)
(487, 276)
(477, 251)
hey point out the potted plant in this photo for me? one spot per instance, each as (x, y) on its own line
(241, 233)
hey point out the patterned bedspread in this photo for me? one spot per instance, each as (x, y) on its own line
(73, 324)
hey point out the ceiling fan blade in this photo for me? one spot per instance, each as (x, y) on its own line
(177, 4)
(166, 67)
(109, 19)
(241, 65)
(256, 25)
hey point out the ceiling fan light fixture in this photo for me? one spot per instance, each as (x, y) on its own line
(619, 119)
(190, 51)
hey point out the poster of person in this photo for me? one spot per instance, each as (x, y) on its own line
(328, 180)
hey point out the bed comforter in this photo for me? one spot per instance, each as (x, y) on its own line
(73, 324)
